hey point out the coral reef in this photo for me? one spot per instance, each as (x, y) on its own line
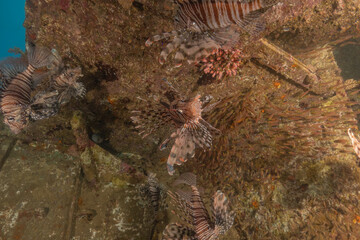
(284, 158)
(222, 63)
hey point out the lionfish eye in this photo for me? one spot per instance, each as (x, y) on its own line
(10, 119)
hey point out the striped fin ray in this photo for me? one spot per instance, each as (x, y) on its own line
(187, 178)
(150, 119)
(205, 25)
(39, 56)
(205, 15)
(182, 149)
(200, 135)
(183, 206)
(10, 67)
(201, 220)
(209, 126)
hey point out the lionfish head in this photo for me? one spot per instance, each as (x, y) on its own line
(73, 73)
(193, 108)
(17, 121)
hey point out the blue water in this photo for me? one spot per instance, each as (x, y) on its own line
(12, 32)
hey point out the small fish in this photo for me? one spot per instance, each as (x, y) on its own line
(193, 211)
(17, 83)
(153, 191)
(205, 25)
(67, 85)
(185, 116)
(355, 142)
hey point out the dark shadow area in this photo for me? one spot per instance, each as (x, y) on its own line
(348, 59)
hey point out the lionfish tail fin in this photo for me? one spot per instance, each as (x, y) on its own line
(186, 178)
(224, 218)
(39, 56)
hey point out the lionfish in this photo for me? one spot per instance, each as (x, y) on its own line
(191, 209)
(43, 105)
(47, 103)
(67, 86)
(205, 25)
(17, 83)
(355, 142)
(185, 116)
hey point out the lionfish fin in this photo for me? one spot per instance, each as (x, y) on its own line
(186, 178)
(160, 37)
(268, 3)
(10, 67)
(176, 231)
(202, 222)
(183, 147)
(183, 206)
(227, 37)
(195, 50)
(209, 126)
(224, 219)
(186, 195)
(39, 56)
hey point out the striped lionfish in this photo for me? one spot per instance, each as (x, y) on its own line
(185, 116)
(205, 25)
(17, 84)
(192, 210)
(47, 103)
(67, 86)
(153, 190)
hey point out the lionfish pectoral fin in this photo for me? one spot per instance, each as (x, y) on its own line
(257, 27)
(163, 145)
(226, 37)
(39, 56)
(186, 178)
(250, 22)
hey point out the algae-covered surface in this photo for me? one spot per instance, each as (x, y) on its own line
(283, 158)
